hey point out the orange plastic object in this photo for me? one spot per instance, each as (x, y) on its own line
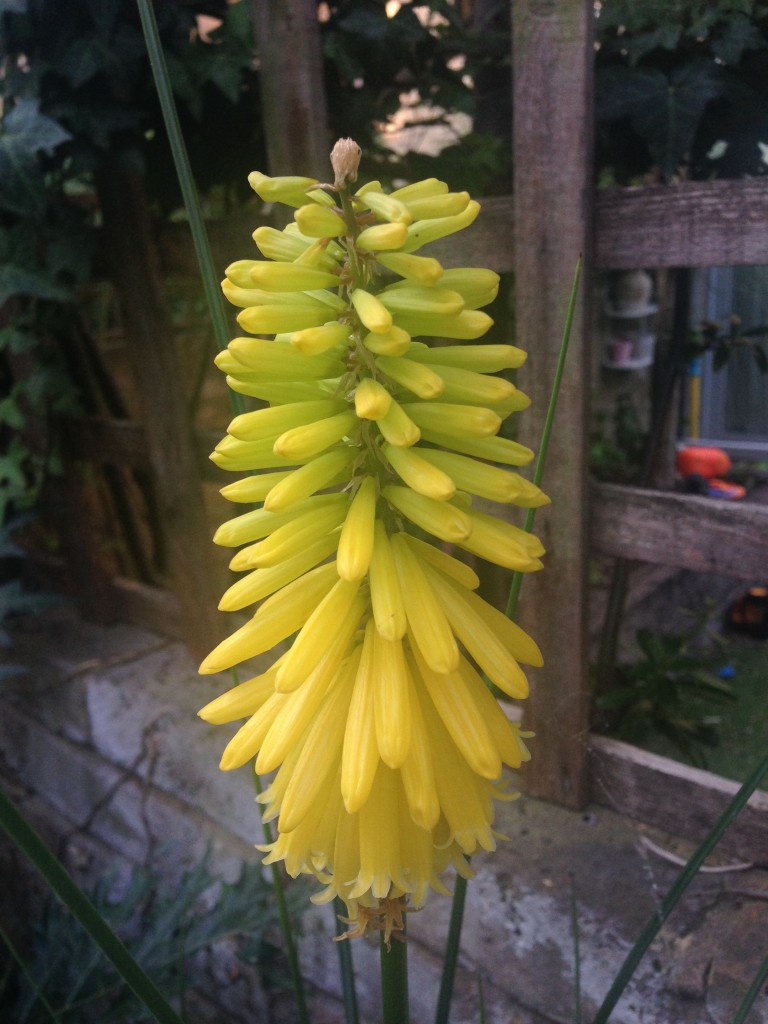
(707, 462)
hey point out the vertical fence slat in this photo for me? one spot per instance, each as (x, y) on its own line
(552, 65)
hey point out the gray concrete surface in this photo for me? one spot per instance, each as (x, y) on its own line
(101, 746)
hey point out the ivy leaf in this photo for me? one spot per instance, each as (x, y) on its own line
(29, 130)
(740, 34)
(17, 281)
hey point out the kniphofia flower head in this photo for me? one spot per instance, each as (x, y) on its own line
(365, 463)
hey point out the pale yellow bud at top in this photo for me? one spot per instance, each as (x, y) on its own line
(288, 189)
(345, 160)
(394, 342)
(356, 540)
(372, 313)
(381, 236)
(319, 222)
(372, 400)
(421, 269)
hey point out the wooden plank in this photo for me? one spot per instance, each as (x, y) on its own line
(552, 61)
(683, 530)
(693, 224)
(681, 800)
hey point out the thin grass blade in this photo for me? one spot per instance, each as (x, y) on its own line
(752, 993)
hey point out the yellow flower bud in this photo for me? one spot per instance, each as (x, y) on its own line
(418, 473)
(304, 442)
(319, 222)
(476, 285)
(386, 598)
(394, 342)
(459, 420)
(372, 401)
(465, 326)
(391, 700)
(397, 427)
(288, 189)
(286, 247)
(360, 756)
(244, 699)
(426, 620)
(495, 449)
(287, 277)
(289, 540)
(447, 564)
(420, 190)
(372, 313)
(423, 231)
(278, 319)
(356, 540)
(316, 340)
(417, 300)
(276, 361)
(419, 379)
(252, 426)
(321, 471)
(439, 518)
(479, 358)
(379, 237)
(486, 481)
(420, 269)
(448, 204)
(253, 488)
(384, 206)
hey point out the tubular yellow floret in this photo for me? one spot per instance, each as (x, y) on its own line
(386, 597)
(306, 441)
(418, 473)
(420, 380)
(494, 449)
(394, 342)
(485, 481)
(291, 539)
(244, 699)
(360, 752)
(439, 518)
(427, 624)
(386, 207)
(252, 426)
(479, 358)
(464, 326)
(420, 190)
(423, 231)
(459, 420)
(301, 483)
(267, 580)
(253, 488)
(420, 269)
(391, 700)
(372, 400)
(316, 340)
(397, 427)
(356, 540)
(286, 277)
(319, 222)
(447, 564)
(380, 237)
(449, 204)
(476, 285)
(372, 313)
(406, 299)
(260, 522)
(475, 388)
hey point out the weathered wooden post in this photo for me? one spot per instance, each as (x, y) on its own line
(552, 66)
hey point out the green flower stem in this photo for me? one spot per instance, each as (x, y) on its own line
(682, 882)
(285, 925)
(346, 969)
(81, 908)
(538, 473)
(451, 956)
(210, 278)
(752, 993)
(394, 982)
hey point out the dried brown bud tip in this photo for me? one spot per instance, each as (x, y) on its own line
(345, 160)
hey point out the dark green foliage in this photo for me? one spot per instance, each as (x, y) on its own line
(164, 928)
(659, 693)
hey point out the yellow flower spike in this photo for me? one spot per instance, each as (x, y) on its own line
(319, 754)
(448, 418)
(461, 716)
(247, 740)
(288, 277)
(319, 222)
(463, 326)
(260, 522)
(448, 204)
(290, 540)
(307, 441)
(296, 715)
(479, 358)
(316, 340)
(397, 427)
(486, 481)
(428, 627)
(278, 617)
(372, 400)
(288, 189)
(420, 190)
(419, 269)
(244, 699)
(384, 206)
(265, 581)
(253, 488)
(418, 473)
(301, 483)
(481, 642)
(381, 237)
(374, 316)
(418, 379)
(356, 540)
(417, 771)
(476, 285)
(505, 734)
(423, 231)
(406, 299)
(391, 703)
(439, 518)
(275, 361)
(447, 564)
(360, 752)
(252, 426)
(309, 645)
(394, 342)
(386, 597)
